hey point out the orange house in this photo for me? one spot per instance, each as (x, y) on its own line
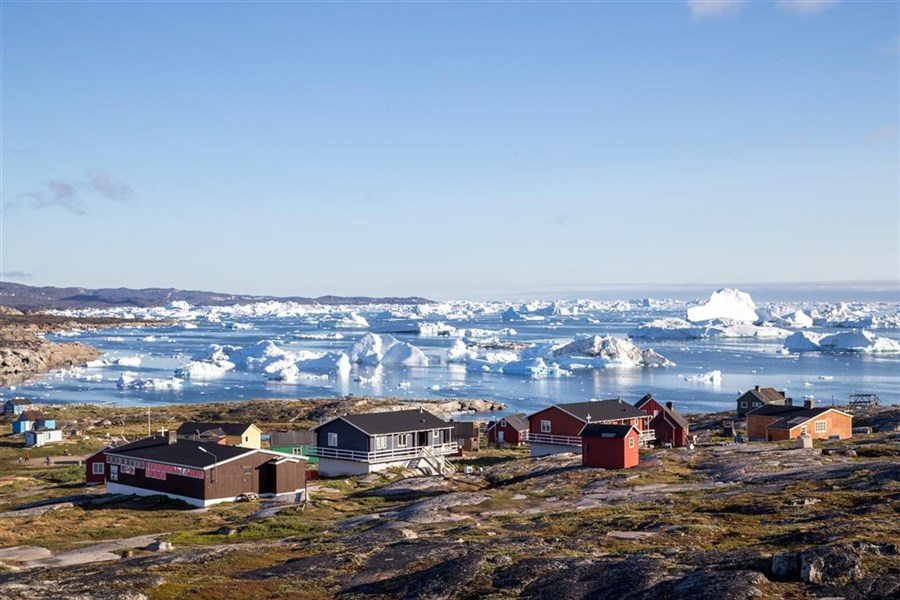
(610, 446)
(776, 423)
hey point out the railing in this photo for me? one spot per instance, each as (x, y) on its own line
(437, 461)
(380, 455)
(548, 438)
(647, 437)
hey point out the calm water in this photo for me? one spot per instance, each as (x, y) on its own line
(743, 363)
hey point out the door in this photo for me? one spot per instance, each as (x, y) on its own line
(500, 439)
(423, 438)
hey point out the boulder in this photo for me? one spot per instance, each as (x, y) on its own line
(827, 564)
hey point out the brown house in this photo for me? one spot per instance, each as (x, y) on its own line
(247, 435)
(467, 435)
(757, 397)
(557, 429)
(776, 423)
(201, 473)
(610, 446)
(508, 431)
(669, 425)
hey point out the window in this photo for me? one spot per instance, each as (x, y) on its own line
(297, 451)
(803, 430)
(332, 438)
(545, 426)
(98, 468)
(248, 470)
(502, 422)
(744, 404)
(380, 442)
(403, 439)
(631, 441)
(246, 438)
(821, 426)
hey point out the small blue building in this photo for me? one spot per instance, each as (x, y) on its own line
(17, 406)
(30, 419)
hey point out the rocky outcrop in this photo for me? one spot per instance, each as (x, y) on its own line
(25, 355)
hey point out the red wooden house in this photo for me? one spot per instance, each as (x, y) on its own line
(508, 431)
(95, 467)
(610, 446)
(667, 424)
(557, 429)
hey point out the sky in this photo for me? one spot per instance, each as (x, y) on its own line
(448, 149)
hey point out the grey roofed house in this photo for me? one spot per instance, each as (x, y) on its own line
(294, 437)
(192, 428)
(759, 396)
(519, 422)
(602, 410)
(676, 416)
(605, 430)
(400, 421)
(181, 452)
(464, 429)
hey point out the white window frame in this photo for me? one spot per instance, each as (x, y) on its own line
(100, 471)
(380, 442)
(332, 438)
(631, 441)
(803, 430)
(821, 426)
(402, 440)
(502, 422)
(546, 426)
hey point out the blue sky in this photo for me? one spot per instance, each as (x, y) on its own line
(448, 149)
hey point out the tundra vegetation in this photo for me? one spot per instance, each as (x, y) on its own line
(722, 520)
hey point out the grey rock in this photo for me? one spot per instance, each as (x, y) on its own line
(827, 564)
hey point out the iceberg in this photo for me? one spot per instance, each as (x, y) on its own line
(726, 303)
(204, 369)
(353, 321)
(714, 377)
(459, 352)
(848, 341)
(672, 328)
(535, 368)
(511, 314)
(612, 351)
(127, 361)
(128, 381)
(375, 349)
(405, 355)
(256, 356)
(336, 363)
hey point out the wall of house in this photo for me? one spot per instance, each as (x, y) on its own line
(89, 476)
(538, 449)
(332, 467)
(297, 451)
(668, 431)
(349, 437)
(611, 453)
(562, 423)
(836, 424)
(652, 407)
(250, 439)
(757, 424)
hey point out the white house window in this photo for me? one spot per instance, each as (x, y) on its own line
(744, 404)
(380, 442)
(297, 451)
(98, 468)
(502, 422)
(631, 441)
(332, 439)
(821, 426)
(403, 439)
(803, 430)
(545, 426)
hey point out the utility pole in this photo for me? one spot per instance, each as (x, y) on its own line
(148, 421)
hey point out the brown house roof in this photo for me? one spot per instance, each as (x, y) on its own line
(295, 437)
(20, 402)
(767, 395)
(519, 422)
(464, 429)
(31, 415)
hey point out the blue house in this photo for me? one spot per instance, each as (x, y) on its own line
(17, 406)
(29, 420)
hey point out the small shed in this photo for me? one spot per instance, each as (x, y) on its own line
(610, 446)
(16, 406)
(508, 431)
(296, 442)
(38, 437)
(467, 435)
(27, 421)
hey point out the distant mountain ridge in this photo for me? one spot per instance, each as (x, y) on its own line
(27, 297)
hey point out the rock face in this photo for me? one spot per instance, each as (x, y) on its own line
(24, 355)
(828, 564)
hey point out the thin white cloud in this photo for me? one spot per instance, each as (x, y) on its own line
(70, 194)
(713, 9)
(805, 8)
(15, 275)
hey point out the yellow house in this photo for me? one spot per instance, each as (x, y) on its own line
(246, 435)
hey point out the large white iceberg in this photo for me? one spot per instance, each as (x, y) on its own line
(612, 351)
(672, 328)
(375, 349)
(258, 355)
(535, 368)
(713, 377)
(336, 363)
(204, 369)
(128, 381)
(726, 303)
(352, 321)
(847, 341)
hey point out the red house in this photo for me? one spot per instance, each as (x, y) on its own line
(667, 424)
(557, 429)
(610, 446)
(95, 467)
(508, 431)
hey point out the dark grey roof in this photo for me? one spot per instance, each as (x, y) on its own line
(20, 402)
(191, 428)
(519, 422)
(296, 437)
(771, 410)
(464, 429)
(605, 431)
(31, 415)
(798, 417)
(675, 416)
(602, 410)
(399, 421)
(767, 395)
(644, 399)
(182, 452)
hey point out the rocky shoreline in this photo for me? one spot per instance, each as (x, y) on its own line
(25, 354)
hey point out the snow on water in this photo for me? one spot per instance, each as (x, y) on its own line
(557, 351)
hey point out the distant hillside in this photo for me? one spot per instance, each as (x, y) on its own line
(26, 297)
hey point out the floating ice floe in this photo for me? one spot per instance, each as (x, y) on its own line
(672, 328)
(714, 377)
(786, 316)
(204, 369)
(319, 336)
(97, 364)
(336, 363)
(459, 352)
(848, 341)
(127, 361)
(535, 368)
(256, 356)
(726, 303)
(511, 314)
(215, 352)
(128, 381)
(352, 321)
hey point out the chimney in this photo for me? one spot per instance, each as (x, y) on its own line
(756, 388)
(670, 405)
(809, 403)
(173, 436)
(788, 401)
